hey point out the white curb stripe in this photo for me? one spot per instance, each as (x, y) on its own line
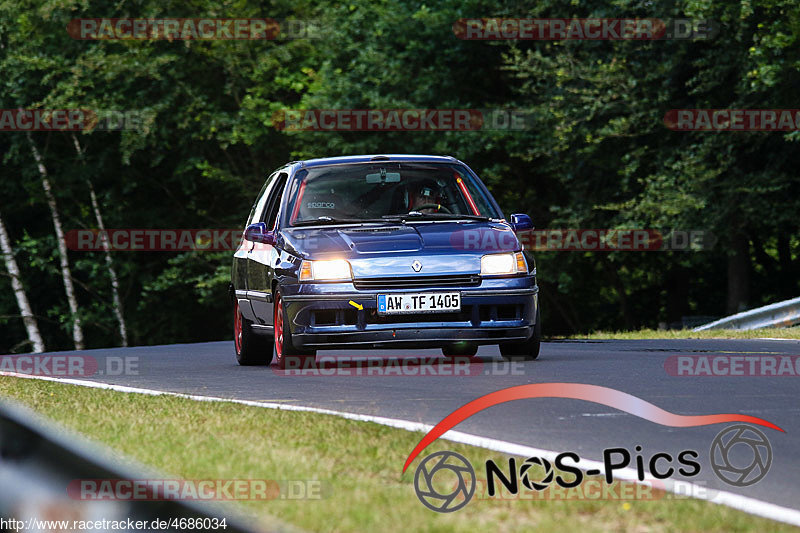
(729, 499)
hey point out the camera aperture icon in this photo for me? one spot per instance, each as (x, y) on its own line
(444, 482)
(546, 478)
(733, 462)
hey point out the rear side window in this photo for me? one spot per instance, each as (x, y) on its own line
(257, 210)
(270, 215)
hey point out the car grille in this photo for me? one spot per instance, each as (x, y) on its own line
(465, 315)
(418, 282)
(485, 313)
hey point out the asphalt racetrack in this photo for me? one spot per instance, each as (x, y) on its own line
(427, 395)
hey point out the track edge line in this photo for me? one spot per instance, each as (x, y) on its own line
(748, 505)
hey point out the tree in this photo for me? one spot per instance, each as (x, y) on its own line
(112, 273)
(34, 337)
(66, 274)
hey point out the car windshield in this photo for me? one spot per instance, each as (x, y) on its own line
(377, 191)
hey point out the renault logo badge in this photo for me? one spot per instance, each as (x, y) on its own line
(416, 265)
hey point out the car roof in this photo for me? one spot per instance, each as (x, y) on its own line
(374, 158)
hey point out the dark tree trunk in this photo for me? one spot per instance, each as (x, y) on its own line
(738, 274)
(785, 254)
(677, 294)
(612, 274)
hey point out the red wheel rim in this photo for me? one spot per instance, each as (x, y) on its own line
(278, 327)
(237, 327)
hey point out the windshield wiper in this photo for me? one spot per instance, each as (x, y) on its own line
(436, 216)
(333, 220)
(386, 219)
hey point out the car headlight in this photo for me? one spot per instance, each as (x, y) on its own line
(499, 264)
(327, 270)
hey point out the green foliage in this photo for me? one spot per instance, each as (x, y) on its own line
(598, 156)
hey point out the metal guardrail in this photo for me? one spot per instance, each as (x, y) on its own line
(777, 315)
(38, 462)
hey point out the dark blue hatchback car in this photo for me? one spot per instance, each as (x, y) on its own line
(381, 251)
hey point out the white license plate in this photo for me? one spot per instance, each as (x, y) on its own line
(396, 304)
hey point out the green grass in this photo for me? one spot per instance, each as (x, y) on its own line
(359, 465)
(775, 333)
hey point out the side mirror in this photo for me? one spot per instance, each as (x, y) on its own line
(258, 233)
(521, 222)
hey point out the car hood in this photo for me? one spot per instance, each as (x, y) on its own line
(390, 249)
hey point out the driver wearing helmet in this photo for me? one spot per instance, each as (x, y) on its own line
(424, 198)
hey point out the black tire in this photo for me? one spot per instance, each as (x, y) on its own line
(462, 349)
(527, 350)
(283, 348)
(251, 349)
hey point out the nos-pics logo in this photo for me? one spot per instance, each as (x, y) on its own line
(445, 481)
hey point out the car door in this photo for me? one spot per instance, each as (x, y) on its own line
(262, 258)
(239, 268)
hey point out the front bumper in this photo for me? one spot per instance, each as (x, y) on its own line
(321, 316)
